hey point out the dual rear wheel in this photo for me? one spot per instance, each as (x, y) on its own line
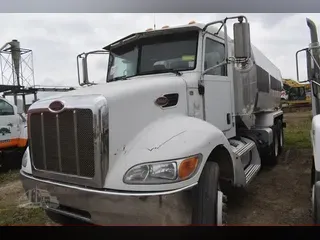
(278, 143)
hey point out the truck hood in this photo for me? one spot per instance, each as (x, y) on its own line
(131, 106)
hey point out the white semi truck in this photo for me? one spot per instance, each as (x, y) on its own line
(13, 124)
(313, 77)
(13, 134)
(185, 112)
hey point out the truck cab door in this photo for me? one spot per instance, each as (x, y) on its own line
(9, 125)
(218, 98)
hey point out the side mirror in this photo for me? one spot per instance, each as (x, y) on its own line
(311, 63)
(82, 66)
(20, 108)
(242, 43)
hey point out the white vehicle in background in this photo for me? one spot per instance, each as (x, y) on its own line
(284, 95)
(185, 111)
(13, 134)
(313, 71)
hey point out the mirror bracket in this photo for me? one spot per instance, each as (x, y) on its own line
(214, 67)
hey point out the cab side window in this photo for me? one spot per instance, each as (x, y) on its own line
(214, 54)
(6, 108)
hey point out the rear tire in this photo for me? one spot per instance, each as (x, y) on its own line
(208, 203)
(281, 136)
(274, 150)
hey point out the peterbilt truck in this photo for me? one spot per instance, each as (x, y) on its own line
(185, 115)
(313, 78)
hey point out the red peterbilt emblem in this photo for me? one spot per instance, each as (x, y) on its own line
(56, 106)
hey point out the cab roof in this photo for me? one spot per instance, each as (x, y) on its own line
(167, 30)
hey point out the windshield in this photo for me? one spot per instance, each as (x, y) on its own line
(157, 54)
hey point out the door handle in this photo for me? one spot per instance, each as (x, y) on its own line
(228, 118)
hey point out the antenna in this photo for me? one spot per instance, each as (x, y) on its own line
(154, 21)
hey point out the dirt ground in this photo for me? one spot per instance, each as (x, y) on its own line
(278, 196)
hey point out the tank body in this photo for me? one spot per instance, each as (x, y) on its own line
(258, 87)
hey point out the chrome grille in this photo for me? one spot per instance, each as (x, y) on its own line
(63, 142)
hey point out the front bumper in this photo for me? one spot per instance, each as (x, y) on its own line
(109, 207)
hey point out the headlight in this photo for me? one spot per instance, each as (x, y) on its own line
(163, 172)
(24, 159)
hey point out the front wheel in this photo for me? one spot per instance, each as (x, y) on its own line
(315, 197)
(209, 202)
(316, 204)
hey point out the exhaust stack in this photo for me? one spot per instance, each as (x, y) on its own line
(312, 68)
(313, 31)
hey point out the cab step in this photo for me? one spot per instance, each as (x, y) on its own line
(246, 151)
(251, 171)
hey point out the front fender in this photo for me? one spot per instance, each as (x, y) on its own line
(172, 137)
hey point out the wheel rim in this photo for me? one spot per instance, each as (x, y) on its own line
(219, 208)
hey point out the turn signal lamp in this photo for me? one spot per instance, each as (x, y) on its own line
(187, 167)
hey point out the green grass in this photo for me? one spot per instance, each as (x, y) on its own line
(10, 213)
(9, 176)
(22, 216)
(297, 132)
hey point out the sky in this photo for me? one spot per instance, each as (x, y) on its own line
(56, 39)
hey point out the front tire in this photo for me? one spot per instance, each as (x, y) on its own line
(316, 204)
(208, 204)
(315, 197)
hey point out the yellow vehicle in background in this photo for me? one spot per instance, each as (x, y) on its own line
(295, 94)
